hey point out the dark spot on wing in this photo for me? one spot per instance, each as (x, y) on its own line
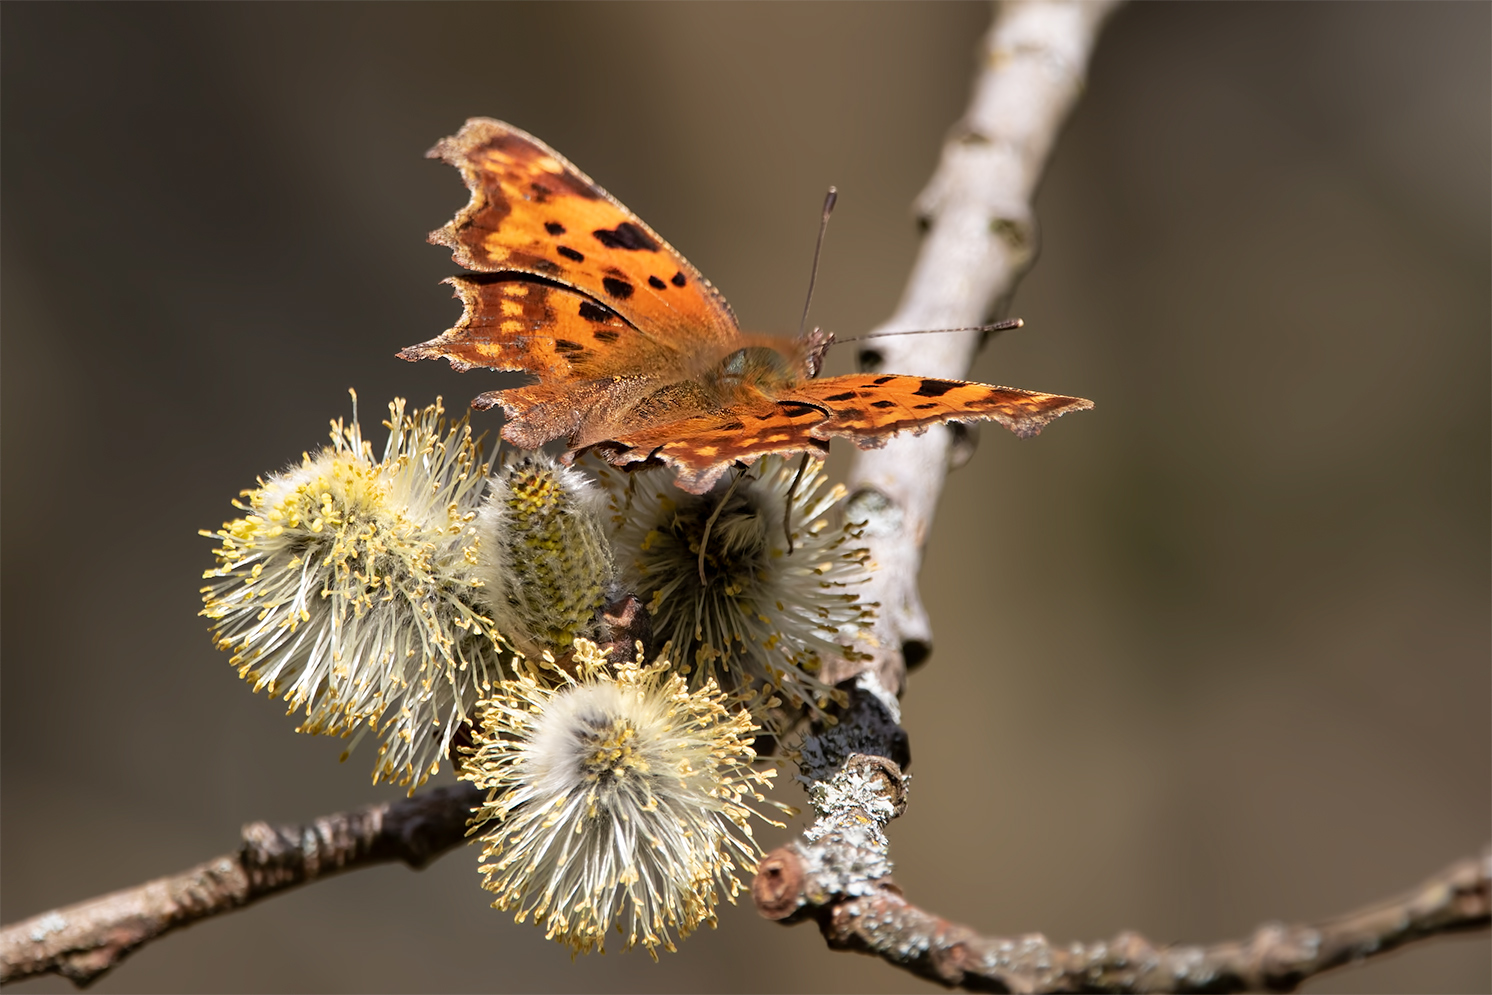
(540, 193)
(929, 404)
(878, 381)
(731, 426)
(565, 345)
(846, 396)
(569, 253)
(883, 404)
(524, 155)
(606, 335)
(625, 236)
(850, 414)
(656, 283)
(591, 311)
(936, 388)
(544, 265)
(554, 228)
(620, 289)
(678, 280)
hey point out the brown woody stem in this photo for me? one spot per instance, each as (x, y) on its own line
(83, 941)
(839, 876)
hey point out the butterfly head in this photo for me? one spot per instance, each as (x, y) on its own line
(814, 345)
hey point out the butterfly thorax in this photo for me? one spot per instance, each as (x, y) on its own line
(758, 367)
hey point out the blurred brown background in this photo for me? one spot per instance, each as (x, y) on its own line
(1214, 653)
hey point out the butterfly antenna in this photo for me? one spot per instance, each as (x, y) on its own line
(704, 540)
(998, 326)
(813, 274)
(830, 199)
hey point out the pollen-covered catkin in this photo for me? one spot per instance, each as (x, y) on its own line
(617, 800)
(350, 588)
(766, 612)
(545, 560)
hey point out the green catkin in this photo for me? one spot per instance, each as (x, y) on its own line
(550, 569)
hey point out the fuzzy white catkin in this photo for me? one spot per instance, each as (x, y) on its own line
(618, 801)
(765, 614)
(349, 588)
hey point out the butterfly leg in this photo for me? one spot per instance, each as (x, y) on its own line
(704, 540)
(787, 507)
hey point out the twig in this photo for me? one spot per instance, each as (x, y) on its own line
(83, 941)
(980, 238)
(839, 877)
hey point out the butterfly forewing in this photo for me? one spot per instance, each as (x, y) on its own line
(532, 211)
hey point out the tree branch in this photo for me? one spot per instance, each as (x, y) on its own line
(839, 877)
(83, 941)
(980, 239)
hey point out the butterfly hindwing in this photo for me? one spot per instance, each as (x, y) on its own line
(557, 334)
(865, 408)
(703, 447)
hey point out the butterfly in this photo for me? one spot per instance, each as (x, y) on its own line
(637, 357)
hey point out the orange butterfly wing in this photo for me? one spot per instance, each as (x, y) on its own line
(865, 408)
(533, 212)
(702, 447)
(586, 357)
(570, 286)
